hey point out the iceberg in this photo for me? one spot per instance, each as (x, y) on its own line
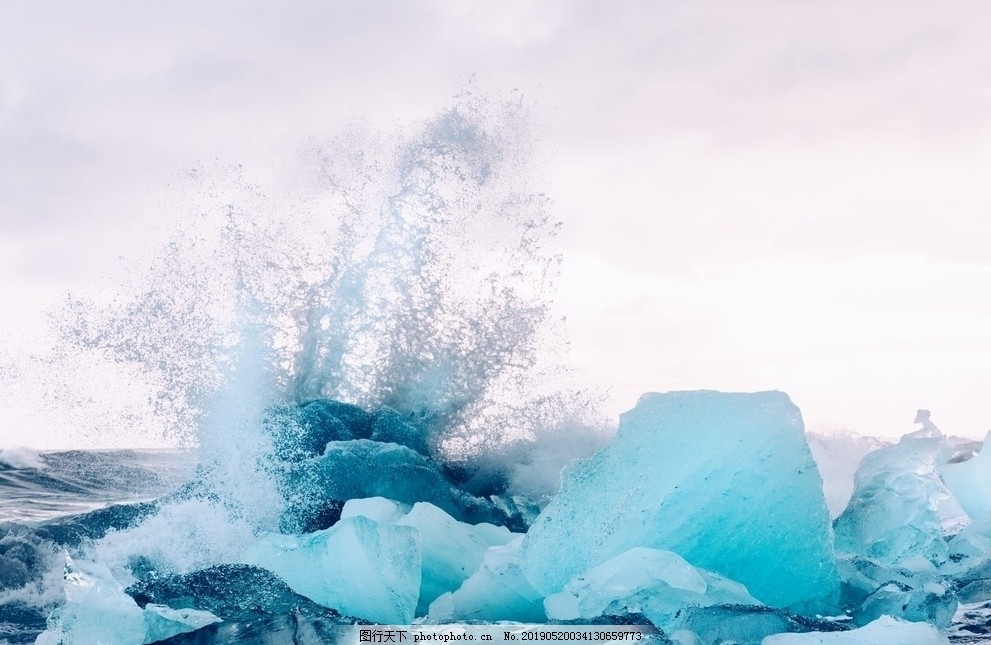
(657, 584)
(932, 602)
(163, 622)
(451, 550)
(302, 432)
(233, 592)
(726, 481)
(389, 426)
(358, 566)
(363, 468)
(497, 591)
(899, 504)
(871, 589)
(98, 612)
(883, 631)
(379, 509)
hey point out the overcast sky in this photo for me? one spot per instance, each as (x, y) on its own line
(770, 195)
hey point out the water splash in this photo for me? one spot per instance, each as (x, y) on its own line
(408, 270)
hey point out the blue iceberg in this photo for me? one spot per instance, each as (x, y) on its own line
(97, 610)
(724, 480)
(359, 567)
(496, 591)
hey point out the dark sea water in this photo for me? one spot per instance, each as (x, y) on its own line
(54, 500)
(42, 486)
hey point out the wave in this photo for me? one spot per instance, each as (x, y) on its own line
(19, 458)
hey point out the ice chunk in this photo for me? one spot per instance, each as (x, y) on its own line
(970, 481)
(363, 468)
(656, 584)
(304, 431)
(451, 550)
(496, 591)
(932, 602)
(358, 566)
(724, 480)
(379, 509)
(747, 624)
(392, 427)
(233, 592)
(163, 622)
(897, 510)
(883, 631)
(97, 610)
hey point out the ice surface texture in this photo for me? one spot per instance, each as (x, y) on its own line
(359, 567)
(98, 612)
(331, 452)
(657, 584)
(724, 480)
(895, 514)
(450, 550)
(497, 590)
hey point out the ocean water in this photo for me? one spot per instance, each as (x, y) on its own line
(38, 486)
(42, 497)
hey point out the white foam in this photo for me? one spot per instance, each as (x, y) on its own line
(22, 458)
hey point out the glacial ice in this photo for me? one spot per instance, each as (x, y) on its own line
(660, 585)
(379, 509)
(724, 480)
(746, 624)
(497, 590)
(872, 589)
(931, 602)
(891, 539)
(163, 622)
(98, 612)
(451, 550)
(358, 566)
(390, 426)
(883, 631)
(302, 432)
(364, 468)
(896, 513)
(255, 605)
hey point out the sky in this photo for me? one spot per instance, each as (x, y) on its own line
(776, 195)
